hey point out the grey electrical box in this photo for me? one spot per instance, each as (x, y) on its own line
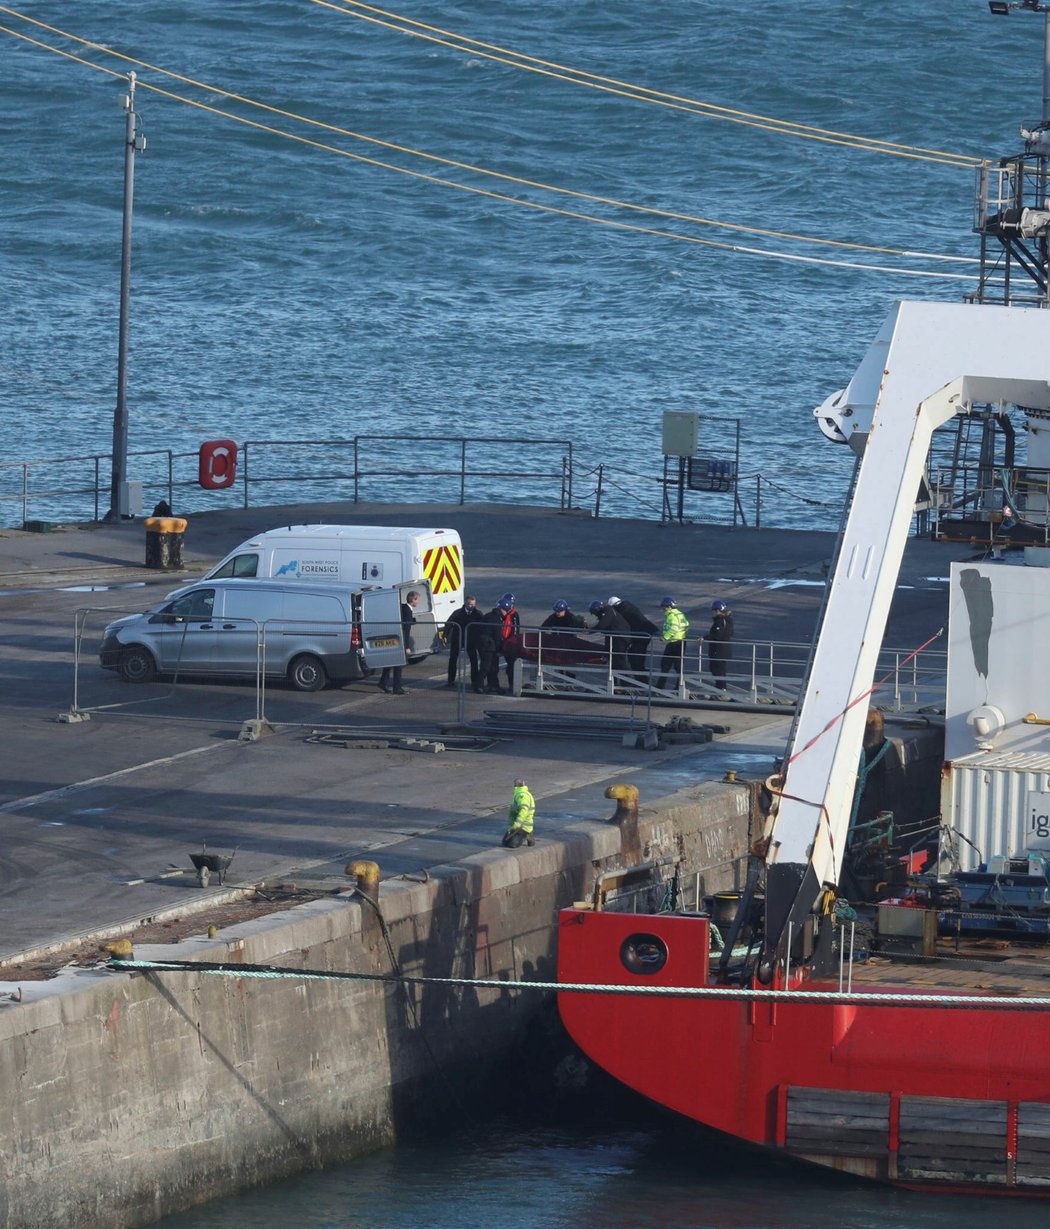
(681, 433)
(129, 496)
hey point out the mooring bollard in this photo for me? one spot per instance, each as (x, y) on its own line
(164, 536)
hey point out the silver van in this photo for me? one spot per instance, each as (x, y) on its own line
(309, 634)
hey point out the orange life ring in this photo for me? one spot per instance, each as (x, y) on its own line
(218, 464)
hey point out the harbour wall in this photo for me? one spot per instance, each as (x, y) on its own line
(134, 1095)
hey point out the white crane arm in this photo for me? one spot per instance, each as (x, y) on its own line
(928, 362)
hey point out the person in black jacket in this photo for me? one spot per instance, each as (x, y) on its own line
(720, 642)
(489, 638)
(562, 619)
(390, 679)
(641, 631)
(618, 632)
(460, 634)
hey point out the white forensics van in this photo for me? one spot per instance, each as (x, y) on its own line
(354, 555)
(311, 635)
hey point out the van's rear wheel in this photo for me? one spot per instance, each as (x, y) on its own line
(137, 665)
(307, 673)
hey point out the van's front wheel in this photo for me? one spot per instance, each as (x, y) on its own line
(137, 665)
(307, 674)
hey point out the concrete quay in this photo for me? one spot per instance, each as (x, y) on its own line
(135, 1095)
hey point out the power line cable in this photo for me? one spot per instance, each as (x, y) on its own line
(480, 170)
(576, 76)
(484, 192)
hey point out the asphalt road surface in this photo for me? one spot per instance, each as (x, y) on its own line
(97, 815)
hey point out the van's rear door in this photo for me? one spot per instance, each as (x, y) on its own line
(381, 633)
(424, 630)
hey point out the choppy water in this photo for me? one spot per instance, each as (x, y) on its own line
(285, 292)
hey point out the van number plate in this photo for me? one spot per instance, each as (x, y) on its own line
(385, 642)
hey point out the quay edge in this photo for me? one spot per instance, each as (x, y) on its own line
(133, 1096)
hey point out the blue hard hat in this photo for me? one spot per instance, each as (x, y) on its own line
(595, 607)
(508, 598)
(667, 601)
(505, 603)
(716, 605)
(561, 604)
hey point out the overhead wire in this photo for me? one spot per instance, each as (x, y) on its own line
(484, 192)
(516, 59)
(466, 166)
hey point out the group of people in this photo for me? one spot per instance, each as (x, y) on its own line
(628, 631)
(483, 638)
(719, 642)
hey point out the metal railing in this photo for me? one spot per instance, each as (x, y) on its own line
(758, 672)
(447, 469)
(398, 469)
(256, 651)
(993, 504)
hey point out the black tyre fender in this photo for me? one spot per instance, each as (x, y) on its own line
(307, 673)
(137, 665)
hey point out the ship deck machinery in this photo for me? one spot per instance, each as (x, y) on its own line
(929, 1063)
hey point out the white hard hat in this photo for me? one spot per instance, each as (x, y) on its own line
(613, 601)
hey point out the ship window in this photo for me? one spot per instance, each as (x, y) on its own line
(642, 953)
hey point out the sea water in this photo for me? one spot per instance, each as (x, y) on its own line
(644, 1173)
(284, 291)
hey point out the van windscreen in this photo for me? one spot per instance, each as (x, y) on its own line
(245, 567)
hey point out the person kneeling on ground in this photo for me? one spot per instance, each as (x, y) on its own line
(520, 814)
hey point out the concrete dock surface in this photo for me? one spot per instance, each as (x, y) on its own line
(99, 815)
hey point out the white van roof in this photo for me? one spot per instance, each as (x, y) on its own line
(336, 531)
(266, 585)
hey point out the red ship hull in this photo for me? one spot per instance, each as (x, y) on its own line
(921, 1095)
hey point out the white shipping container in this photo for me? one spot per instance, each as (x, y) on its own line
(997, 804)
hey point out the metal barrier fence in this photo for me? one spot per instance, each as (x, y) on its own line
(447, 469)
(401, 469)
(149, 677)
(757, 672)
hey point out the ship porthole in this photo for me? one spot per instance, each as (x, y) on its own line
(642, 953)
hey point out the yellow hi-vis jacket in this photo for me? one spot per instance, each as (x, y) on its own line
(522, 810)
(675, 625)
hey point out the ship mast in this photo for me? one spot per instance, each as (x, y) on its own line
(1012, 209)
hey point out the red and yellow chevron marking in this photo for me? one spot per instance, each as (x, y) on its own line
(443, 567)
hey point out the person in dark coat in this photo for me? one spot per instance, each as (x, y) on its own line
(642, 629)
(720, 642)
(390, 679)
(511, 629)
(617, 632)
(562, 619)
(460, 634)
(489, 637)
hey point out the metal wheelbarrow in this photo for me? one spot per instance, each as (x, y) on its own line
(208, 864)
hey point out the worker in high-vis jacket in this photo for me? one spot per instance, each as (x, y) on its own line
(520, 817)
(673, 634)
